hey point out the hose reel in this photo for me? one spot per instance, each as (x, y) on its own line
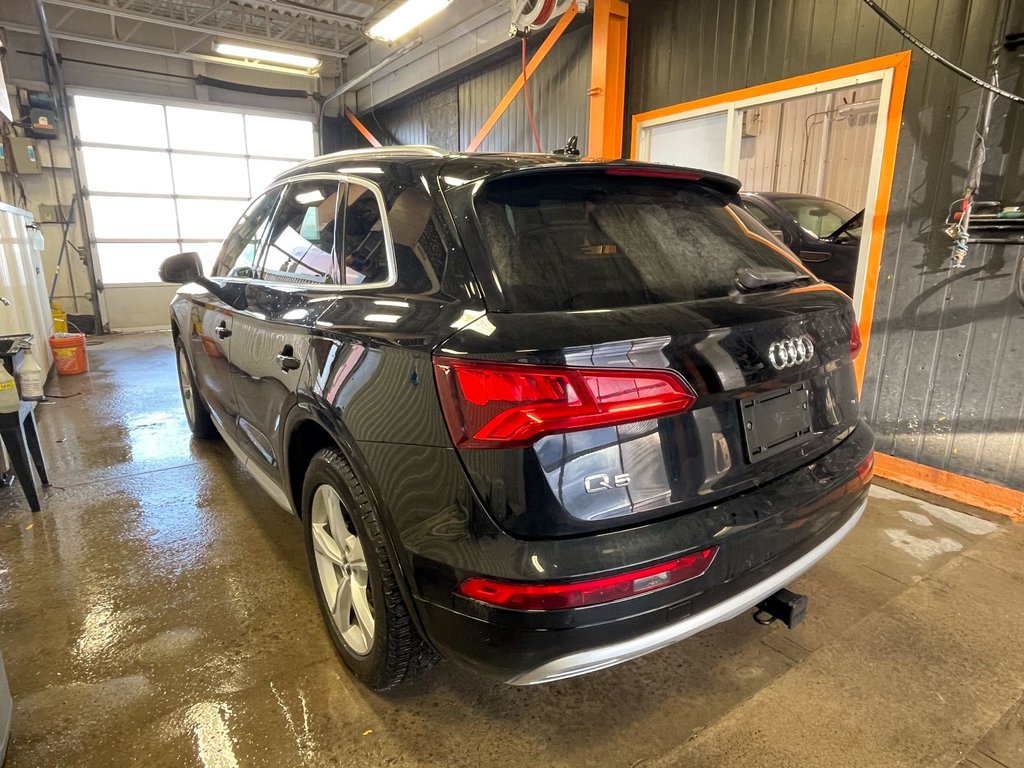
(531, 15)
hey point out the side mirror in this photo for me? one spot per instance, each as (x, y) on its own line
(182, 268)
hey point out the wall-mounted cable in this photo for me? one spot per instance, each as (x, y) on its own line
(938, 57)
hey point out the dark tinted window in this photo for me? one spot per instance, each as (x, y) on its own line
(592, 240)
(301, 247)
(759, 213)
(363, 249)
(238, 253)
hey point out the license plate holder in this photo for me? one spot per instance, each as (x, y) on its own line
(775, 421)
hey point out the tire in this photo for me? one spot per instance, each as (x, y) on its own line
(196, 413)
(1018, 280)
(371, 630)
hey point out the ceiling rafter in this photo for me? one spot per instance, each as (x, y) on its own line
(151, 49)
(302, 28)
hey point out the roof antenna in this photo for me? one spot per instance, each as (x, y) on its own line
(570, 147)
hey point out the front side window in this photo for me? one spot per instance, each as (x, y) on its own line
(238, 253)
(301, 247)
(815, 215)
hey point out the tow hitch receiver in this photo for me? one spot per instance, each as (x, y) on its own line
(788, 607)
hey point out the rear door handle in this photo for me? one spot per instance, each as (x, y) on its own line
(222, 331)
(814, 257)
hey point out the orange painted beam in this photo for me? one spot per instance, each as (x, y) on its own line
(361, 128)
(607, 79)
(967, 490)
(517, 86)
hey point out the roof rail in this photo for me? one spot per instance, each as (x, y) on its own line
(400, 150)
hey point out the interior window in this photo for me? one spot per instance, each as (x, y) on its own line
(238, 254)
(815, 215)
(363, 249)
(302, 242)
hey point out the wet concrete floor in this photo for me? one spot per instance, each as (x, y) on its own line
(158, 612)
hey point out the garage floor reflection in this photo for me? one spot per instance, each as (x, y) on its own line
(158, 612)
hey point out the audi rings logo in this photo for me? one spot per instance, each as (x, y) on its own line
(795, 351)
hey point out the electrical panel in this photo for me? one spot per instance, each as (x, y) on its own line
(39, 111)
(26, 156)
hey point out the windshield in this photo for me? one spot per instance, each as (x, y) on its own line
(816, 215)
(590, 240)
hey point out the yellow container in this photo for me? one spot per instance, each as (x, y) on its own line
(60, 320)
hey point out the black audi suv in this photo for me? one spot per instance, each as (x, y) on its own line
(538, 416)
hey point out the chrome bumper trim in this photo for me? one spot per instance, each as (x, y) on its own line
(609, 655)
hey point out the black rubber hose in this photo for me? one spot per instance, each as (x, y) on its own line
(944, 62)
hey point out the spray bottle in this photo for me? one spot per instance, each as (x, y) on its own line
(30, 377)
(9, 401)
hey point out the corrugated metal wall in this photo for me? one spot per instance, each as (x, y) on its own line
(432, 119)
(945, 373)
(558, 91)
(449, 116)
(781, 148)
(851, 138)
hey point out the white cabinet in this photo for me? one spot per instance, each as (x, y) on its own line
(26, 306)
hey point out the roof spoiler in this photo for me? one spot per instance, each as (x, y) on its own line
(717, 181)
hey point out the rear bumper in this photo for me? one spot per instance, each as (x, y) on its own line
(766, 539)
(609, 655)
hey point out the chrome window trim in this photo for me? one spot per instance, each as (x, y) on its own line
(389, 245)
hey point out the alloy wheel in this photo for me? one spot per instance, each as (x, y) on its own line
(341, 566)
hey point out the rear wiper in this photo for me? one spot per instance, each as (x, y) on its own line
(753, 279)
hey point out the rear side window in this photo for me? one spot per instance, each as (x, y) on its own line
(302, 241)
(580, 240)
(759, 213)
(363, 249)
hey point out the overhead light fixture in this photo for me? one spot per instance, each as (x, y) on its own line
(406, 17)
(274, 57)
(312, 196)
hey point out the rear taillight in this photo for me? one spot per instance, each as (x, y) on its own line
(553, 597)
(866, 469)
(855, 342)
(507, 405)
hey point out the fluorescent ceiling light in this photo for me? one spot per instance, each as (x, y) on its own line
(382, 318)
(275, 57)
(406, 17)
(312, 196)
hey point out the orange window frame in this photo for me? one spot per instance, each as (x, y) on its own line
(899, 63)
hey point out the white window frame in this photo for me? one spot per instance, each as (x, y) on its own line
(181, 242)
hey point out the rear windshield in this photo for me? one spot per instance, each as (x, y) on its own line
(595, 240)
